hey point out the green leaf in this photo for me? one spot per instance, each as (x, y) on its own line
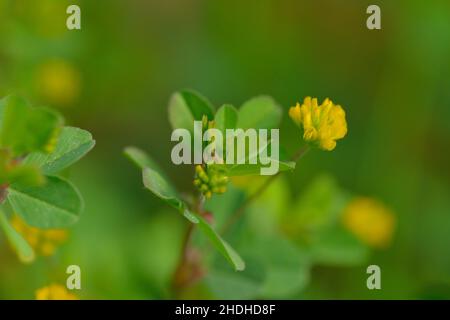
(155, 182)
(13, 172)
(226, 118)
(160, 187)
(141, 159)
(24, 129)
(24, 250)
(255, 169)
(72, 145)
(56, 204)
(247, 168)
(198, 105)
(153, 177)
(187, 106)
(261, 112)
(221, 245)
(28, 175)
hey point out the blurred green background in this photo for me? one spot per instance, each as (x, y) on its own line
(114, 78)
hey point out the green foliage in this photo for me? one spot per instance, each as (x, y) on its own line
(23, 249)
(255, 169)
(277, 266)
(337, 247)
(72, 145)
(184, 108)
(34, 148)
(187, 106)
(55, 204)
(25, 129)
(318, 206)
(161, 187)
(259, 113)
(279, 238)
(226, 117)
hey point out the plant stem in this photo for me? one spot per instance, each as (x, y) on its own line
(240, 211)
(179, 280)
(3, 192)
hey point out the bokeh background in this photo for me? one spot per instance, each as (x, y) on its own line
(114, 78)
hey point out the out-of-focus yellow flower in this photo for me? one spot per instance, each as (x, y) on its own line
(322, 125)
(44, 242)
(54, 292)
(371, 221)
(58, 82)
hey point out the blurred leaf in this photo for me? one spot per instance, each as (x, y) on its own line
(24, 129)
(23, 249)
(12, 171)
(317, 207)
(226, 284)
(187, 106)
(28, 175)
(162, 235)
(259, 113)
(226, 118)
(56, 204)
(264, 215)
(338, 247)
(72, 145)
(286, 266)
(223, 205)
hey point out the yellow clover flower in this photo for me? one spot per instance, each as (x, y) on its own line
(370, 221)
(322, 125)
(44, 242)
(54, 292)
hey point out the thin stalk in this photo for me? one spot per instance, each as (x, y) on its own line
(3, 192)
(177, 280)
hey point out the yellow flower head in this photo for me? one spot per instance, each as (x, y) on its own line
(54, 292)
(322, 125)
(370, 221)
(44, 242)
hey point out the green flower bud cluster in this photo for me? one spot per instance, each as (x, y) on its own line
(209, 180)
